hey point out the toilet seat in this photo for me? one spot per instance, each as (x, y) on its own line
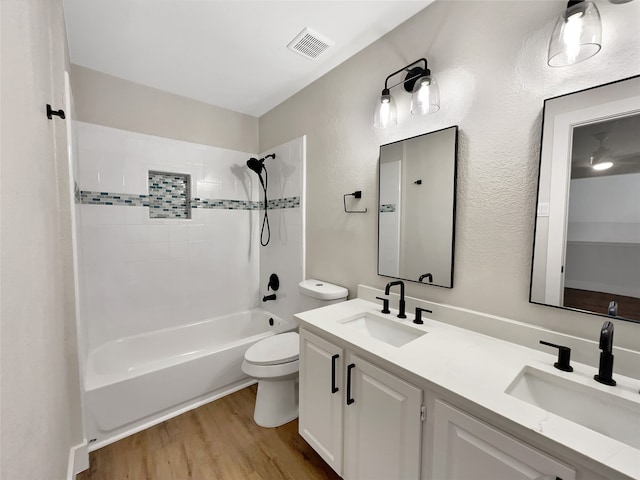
(274, 350)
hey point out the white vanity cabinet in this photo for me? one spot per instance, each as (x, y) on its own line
(364, 421)
(466, 448)
(363, 401)
(321, 397)
(383, 427)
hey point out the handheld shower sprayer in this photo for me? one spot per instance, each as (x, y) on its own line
(258, 166)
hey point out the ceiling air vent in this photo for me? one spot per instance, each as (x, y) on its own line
(309, 44)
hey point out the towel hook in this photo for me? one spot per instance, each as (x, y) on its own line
(51, 112)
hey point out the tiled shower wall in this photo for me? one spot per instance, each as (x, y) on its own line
(141, 274)
(284, 255)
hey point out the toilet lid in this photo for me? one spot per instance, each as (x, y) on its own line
(281, 348)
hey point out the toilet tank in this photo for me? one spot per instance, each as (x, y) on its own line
(316, 293)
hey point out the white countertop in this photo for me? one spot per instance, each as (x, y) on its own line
(480, 368)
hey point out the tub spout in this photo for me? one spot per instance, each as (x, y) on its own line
(266, 298)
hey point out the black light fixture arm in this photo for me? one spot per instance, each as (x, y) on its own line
(413, 73)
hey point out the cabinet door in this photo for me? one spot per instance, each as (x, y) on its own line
(382, 425)
(467, 449)
(321, 393)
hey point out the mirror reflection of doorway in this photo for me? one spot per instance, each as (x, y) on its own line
(602, 258)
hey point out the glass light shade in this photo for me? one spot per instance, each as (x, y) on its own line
(576, 36)
(386, 114)
(426, 96)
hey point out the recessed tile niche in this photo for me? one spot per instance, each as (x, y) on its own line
(169, 195)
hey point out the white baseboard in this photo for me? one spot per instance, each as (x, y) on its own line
(78, 460)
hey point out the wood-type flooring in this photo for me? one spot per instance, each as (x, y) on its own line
(216, 441)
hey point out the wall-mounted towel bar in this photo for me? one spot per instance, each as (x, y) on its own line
(356, 194)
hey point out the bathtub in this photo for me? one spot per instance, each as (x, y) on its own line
(138, 381)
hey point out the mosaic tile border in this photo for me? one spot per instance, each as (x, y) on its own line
(288, 202)
(388, 208)
(133, 200)
(106, 198)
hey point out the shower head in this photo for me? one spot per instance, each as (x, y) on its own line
(255, 165)
(258, 165)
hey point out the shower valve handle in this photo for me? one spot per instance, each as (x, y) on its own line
(274, 282)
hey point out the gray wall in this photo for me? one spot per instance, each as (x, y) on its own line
(41, 417)
(114, 102)
(490, 62)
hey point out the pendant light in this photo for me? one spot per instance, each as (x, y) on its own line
(425, 97)
(386, 114)
(577, 34)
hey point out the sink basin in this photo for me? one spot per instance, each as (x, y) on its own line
(606, 413)
(384, 329)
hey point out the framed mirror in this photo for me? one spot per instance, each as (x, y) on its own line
(416, 210)
(586, 252)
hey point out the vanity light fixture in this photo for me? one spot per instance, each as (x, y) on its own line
(425, 97)
(577, 34)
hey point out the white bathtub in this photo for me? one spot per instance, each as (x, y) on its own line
(137, 381)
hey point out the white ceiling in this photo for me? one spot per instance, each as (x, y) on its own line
(228, 53)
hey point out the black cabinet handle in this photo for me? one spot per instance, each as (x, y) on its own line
(334, 389)
(349, 399)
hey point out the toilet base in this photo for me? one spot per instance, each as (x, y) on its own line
(276, 402)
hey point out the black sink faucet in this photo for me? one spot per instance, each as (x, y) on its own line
(428, 276)
(605, 370)
(401, 314)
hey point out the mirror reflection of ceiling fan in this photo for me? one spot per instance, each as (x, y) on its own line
(602, 158)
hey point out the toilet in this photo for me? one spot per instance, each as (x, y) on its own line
(274, 360)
